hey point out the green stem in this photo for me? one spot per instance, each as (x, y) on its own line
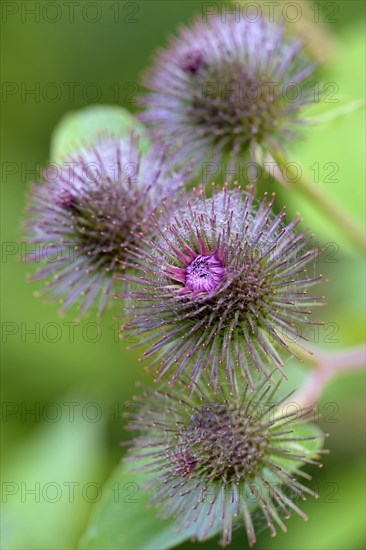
(357, 104)
(322, 201)
(305, 356)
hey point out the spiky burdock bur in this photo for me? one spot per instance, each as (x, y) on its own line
(83, 216)
(212, 460)
(228, 87)
(223, 285)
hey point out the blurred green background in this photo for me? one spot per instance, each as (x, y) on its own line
(65, 384)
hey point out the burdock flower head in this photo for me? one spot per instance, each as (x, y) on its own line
(223, 285)
(228, 87)
(85, 212)
(212, 461)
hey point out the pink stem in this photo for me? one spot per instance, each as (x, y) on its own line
(328, 365)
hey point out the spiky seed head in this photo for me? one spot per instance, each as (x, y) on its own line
(81, 222)
(228, 88)
(222, 286)
(212, 461)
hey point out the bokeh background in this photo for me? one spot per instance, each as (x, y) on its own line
(65, 383)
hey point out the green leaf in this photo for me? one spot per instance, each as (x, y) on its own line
(122, 518)
(54, 478)
(78, 128)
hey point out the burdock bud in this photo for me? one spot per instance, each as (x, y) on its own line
(228, 87)
(223, 285)
(83, 216)
(212, 462)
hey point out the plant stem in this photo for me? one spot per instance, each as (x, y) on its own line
(328, 366)
(303, 354)
(337, 112)
(322, 201)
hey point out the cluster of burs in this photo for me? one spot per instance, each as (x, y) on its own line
(214, 279)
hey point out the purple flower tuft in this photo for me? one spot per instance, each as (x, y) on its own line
(203, 274)
(212, 461)
(227, 87)
(222, 285)
(82, 221)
